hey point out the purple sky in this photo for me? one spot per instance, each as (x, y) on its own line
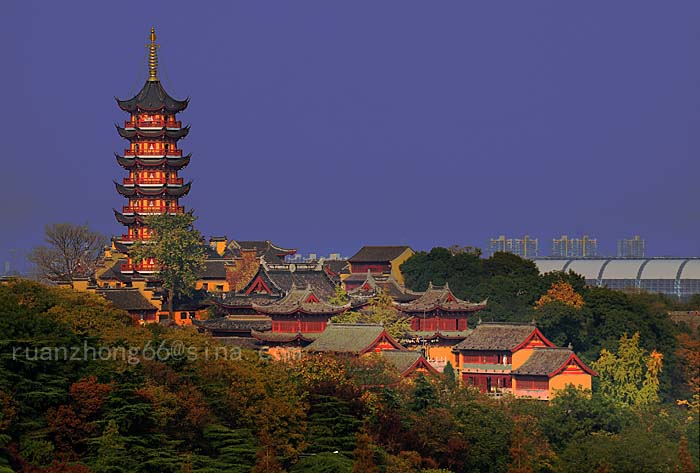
(327, 125)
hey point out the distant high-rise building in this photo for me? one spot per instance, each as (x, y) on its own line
(565, 247)
(524, 247)
(631, 247)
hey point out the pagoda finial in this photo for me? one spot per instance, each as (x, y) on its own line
(153, 57)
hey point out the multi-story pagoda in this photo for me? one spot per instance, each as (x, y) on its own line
(153, 158)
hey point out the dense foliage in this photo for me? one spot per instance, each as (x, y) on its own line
(208, 410)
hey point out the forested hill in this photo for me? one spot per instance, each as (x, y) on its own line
(82, 389)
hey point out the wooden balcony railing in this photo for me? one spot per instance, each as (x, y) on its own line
(141, 267)
(153, 152)
(155, 180)
(130, 238)
(152, 124)
(153, 210)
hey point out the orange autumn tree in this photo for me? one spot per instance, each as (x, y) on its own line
(561, 291)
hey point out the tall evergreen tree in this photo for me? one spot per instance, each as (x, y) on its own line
(177, 247)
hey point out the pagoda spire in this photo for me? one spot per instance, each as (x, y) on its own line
(153, 57)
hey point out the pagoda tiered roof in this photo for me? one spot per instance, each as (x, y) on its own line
(372, 284)
(440, 298)
(152, 98)
(175, 134)
(300, 300)
(128, 162)
(165, 189)
(127, 219)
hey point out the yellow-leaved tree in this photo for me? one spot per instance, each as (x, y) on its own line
(630, 377)
(561, 291)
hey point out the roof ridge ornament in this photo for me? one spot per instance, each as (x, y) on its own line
(153, 57)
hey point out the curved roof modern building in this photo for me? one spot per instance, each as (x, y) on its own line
(676, 277)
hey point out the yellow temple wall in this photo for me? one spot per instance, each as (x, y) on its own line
(211, 285)
(561, 381)
(397, 262)
(520, 357)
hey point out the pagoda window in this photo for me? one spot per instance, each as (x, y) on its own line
(167, 146)
(151, 175)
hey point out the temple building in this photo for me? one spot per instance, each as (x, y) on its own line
(378, 260)
(501, 358)
(547, 370)
(354, 339)
(373, 285)
(439, 320)
(300, 311)
(153, 159)
(409, 363)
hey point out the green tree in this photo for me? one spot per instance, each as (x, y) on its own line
(574, 414)
(323, 463)
(71, 251)
(364, 455)
(177, 247)
(450, 376)
(629, 377)
(340, 297)
(332, 425)
(231, 450)
(112, 455)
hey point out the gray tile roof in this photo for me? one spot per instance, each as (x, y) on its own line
(545, 361)
(495, 336)
(370, 285)
(128, 299)
(348, 338)
(235, 324)
(302, 300)
(401, 359)
(376, 254)
(440, 298)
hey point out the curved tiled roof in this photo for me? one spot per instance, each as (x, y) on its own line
(350, 338)
(152, 97)
(128, 162)
(440, 298)
(172, 191)
(404, 360)
(162, 133)
(235, 324)
(370, 286)
(549, 361)
(300, 300)
(129, 299)
(496, 336)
